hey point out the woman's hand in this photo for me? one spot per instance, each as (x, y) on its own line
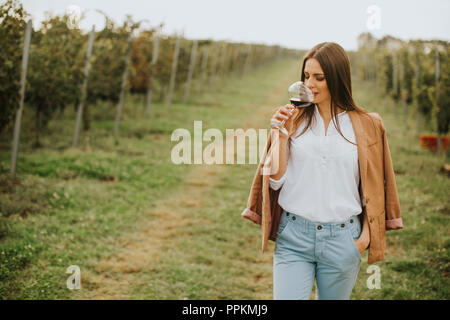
(286, 113)
(364, 239)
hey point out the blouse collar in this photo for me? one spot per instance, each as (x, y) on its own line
(318, 114)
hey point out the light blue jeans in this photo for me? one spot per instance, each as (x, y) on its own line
(306, 251)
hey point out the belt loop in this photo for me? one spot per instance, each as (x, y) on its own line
(332, 226)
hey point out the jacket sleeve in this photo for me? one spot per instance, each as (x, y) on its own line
(392, 209)
(277, 184)
(253, 211)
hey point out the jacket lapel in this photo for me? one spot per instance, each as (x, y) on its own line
(361, 140)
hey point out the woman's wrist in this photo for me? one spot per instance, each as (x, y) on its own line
(284, 138)
(277, 135)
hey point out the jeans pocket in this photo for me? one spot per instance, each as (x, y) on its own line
(284, 221)
(355, 229)
(353, 235)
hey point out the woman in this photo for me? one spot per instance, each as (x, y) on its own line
(326, 191)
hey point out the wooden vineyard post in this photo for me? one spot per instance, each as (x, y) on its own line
(203, 69)
(213, 65)
(229, 58)
(222, 62)
(416, 87)
(248, 60)
(23, 77)
(395, 79)
(437, 76)
(403, 93)
(238, 61)
(191, 71)
(269, 54)
(151, 76)
(122, 89)
(83, 88)
(174, 71)
(365, 68)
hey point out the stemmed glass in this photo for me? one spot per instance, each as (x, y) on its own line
(300, 96)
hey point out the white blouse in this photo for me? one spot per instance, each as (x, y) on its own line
(322, 175)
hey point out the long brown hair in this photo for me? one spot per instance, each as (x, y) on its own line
(336, 66)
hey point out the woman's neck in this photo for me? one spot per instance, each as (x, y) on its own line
(325, 109)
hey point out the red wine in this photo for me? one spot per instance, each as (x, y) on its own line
(300, 104)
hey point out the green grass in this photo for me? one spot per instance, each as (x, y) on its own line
(101, 204)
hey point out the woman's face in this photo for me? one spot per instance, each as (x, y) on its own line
(315, 80)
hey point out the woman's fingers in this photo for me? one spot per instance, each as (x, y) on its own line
(286, 111)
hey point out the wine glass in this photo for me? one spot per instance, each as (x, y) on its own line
(300, 96)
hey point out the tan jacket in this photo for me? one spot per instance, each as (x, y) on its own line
(378, 190)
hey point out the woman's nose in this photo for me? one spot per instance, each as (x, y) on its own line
(308, 84)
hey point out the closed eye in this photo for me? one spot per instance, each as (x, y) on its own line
(317, 78)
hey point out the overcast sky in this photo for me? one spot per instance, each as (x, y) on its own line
(294, 24)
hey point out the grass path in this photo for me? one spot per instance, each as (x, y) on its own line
(140, 252)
